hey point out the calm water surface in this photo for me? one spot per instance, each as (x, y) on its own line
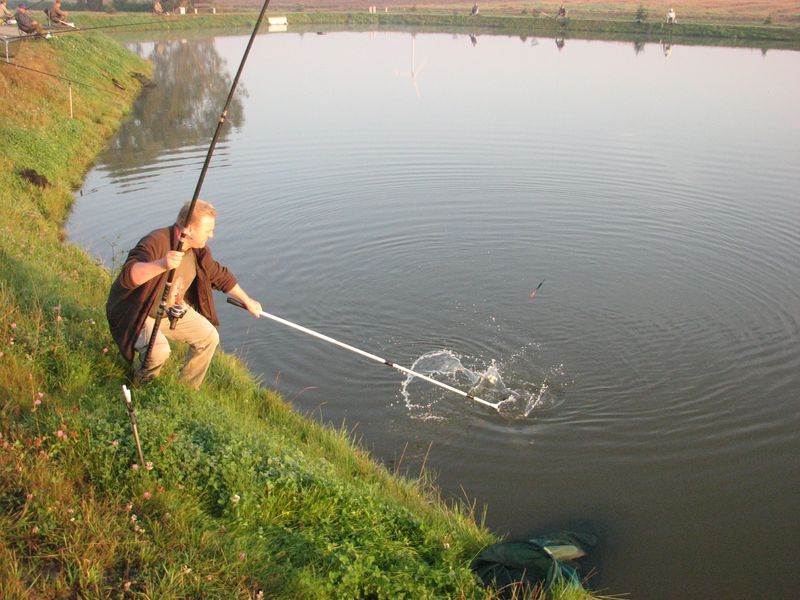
(406, 194)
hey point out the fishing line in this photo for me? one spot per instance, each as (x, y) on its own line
(61, 77)
(162, 307)
(32, 6)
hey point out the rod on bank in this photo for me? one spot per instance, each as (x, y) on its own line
(162, 306)
(368, 355)
(126, 396)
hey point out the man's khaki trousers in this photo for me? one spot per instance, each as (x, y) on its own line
(193, 329)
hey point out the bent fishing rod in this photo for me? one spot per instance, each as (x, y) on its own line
(162, 307)
(368, 355)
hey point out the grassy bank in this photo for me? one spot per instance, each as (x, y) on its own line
(239, 496)
(535, 22)
(529, 25)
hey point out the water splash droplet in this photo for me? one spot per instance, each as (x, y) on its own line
(427, 403)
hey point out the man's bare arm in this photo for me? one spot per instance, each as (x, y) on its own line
(142, 272)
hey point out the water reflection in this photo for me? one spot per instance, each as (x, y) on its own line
(423, 231)
(415, 70)
(181, 110)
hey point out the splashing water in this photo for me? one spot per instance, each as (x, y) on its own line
(486, 383)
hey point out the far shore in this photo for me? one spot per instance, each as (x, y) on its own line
(717, 12)
(586, 20)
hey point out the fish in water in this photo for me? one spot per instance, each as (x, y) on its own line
(490, 384)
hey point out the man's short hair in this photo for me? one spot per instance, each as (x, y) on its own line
(201, 209)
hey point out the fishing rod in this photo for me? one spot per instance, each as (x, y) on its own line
(34, 5)
(80, 29)
(62, 22)
(62, 78)
(76, 29)
(73, 29)
(372, 357)
(162, 307)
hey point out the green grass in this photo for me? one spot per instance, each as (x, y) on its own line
(239, 495)
(518, 24)
(129, 21)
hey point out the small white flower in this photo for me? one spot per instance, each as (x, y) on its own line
(235, 498)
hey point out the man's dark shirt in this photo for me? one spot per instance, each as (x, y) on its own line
(128, 305)
(25, 22)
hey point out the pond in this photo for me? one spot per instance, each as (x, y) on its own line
(406, 193)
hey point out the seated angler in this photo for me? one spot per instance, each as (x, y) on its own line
(58, 15)
(5, 14)
(26, 23)
(136, 294)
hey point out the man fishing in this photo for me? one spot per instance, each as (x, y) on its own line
(57, 14)
(135, 294)
(27, 23)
